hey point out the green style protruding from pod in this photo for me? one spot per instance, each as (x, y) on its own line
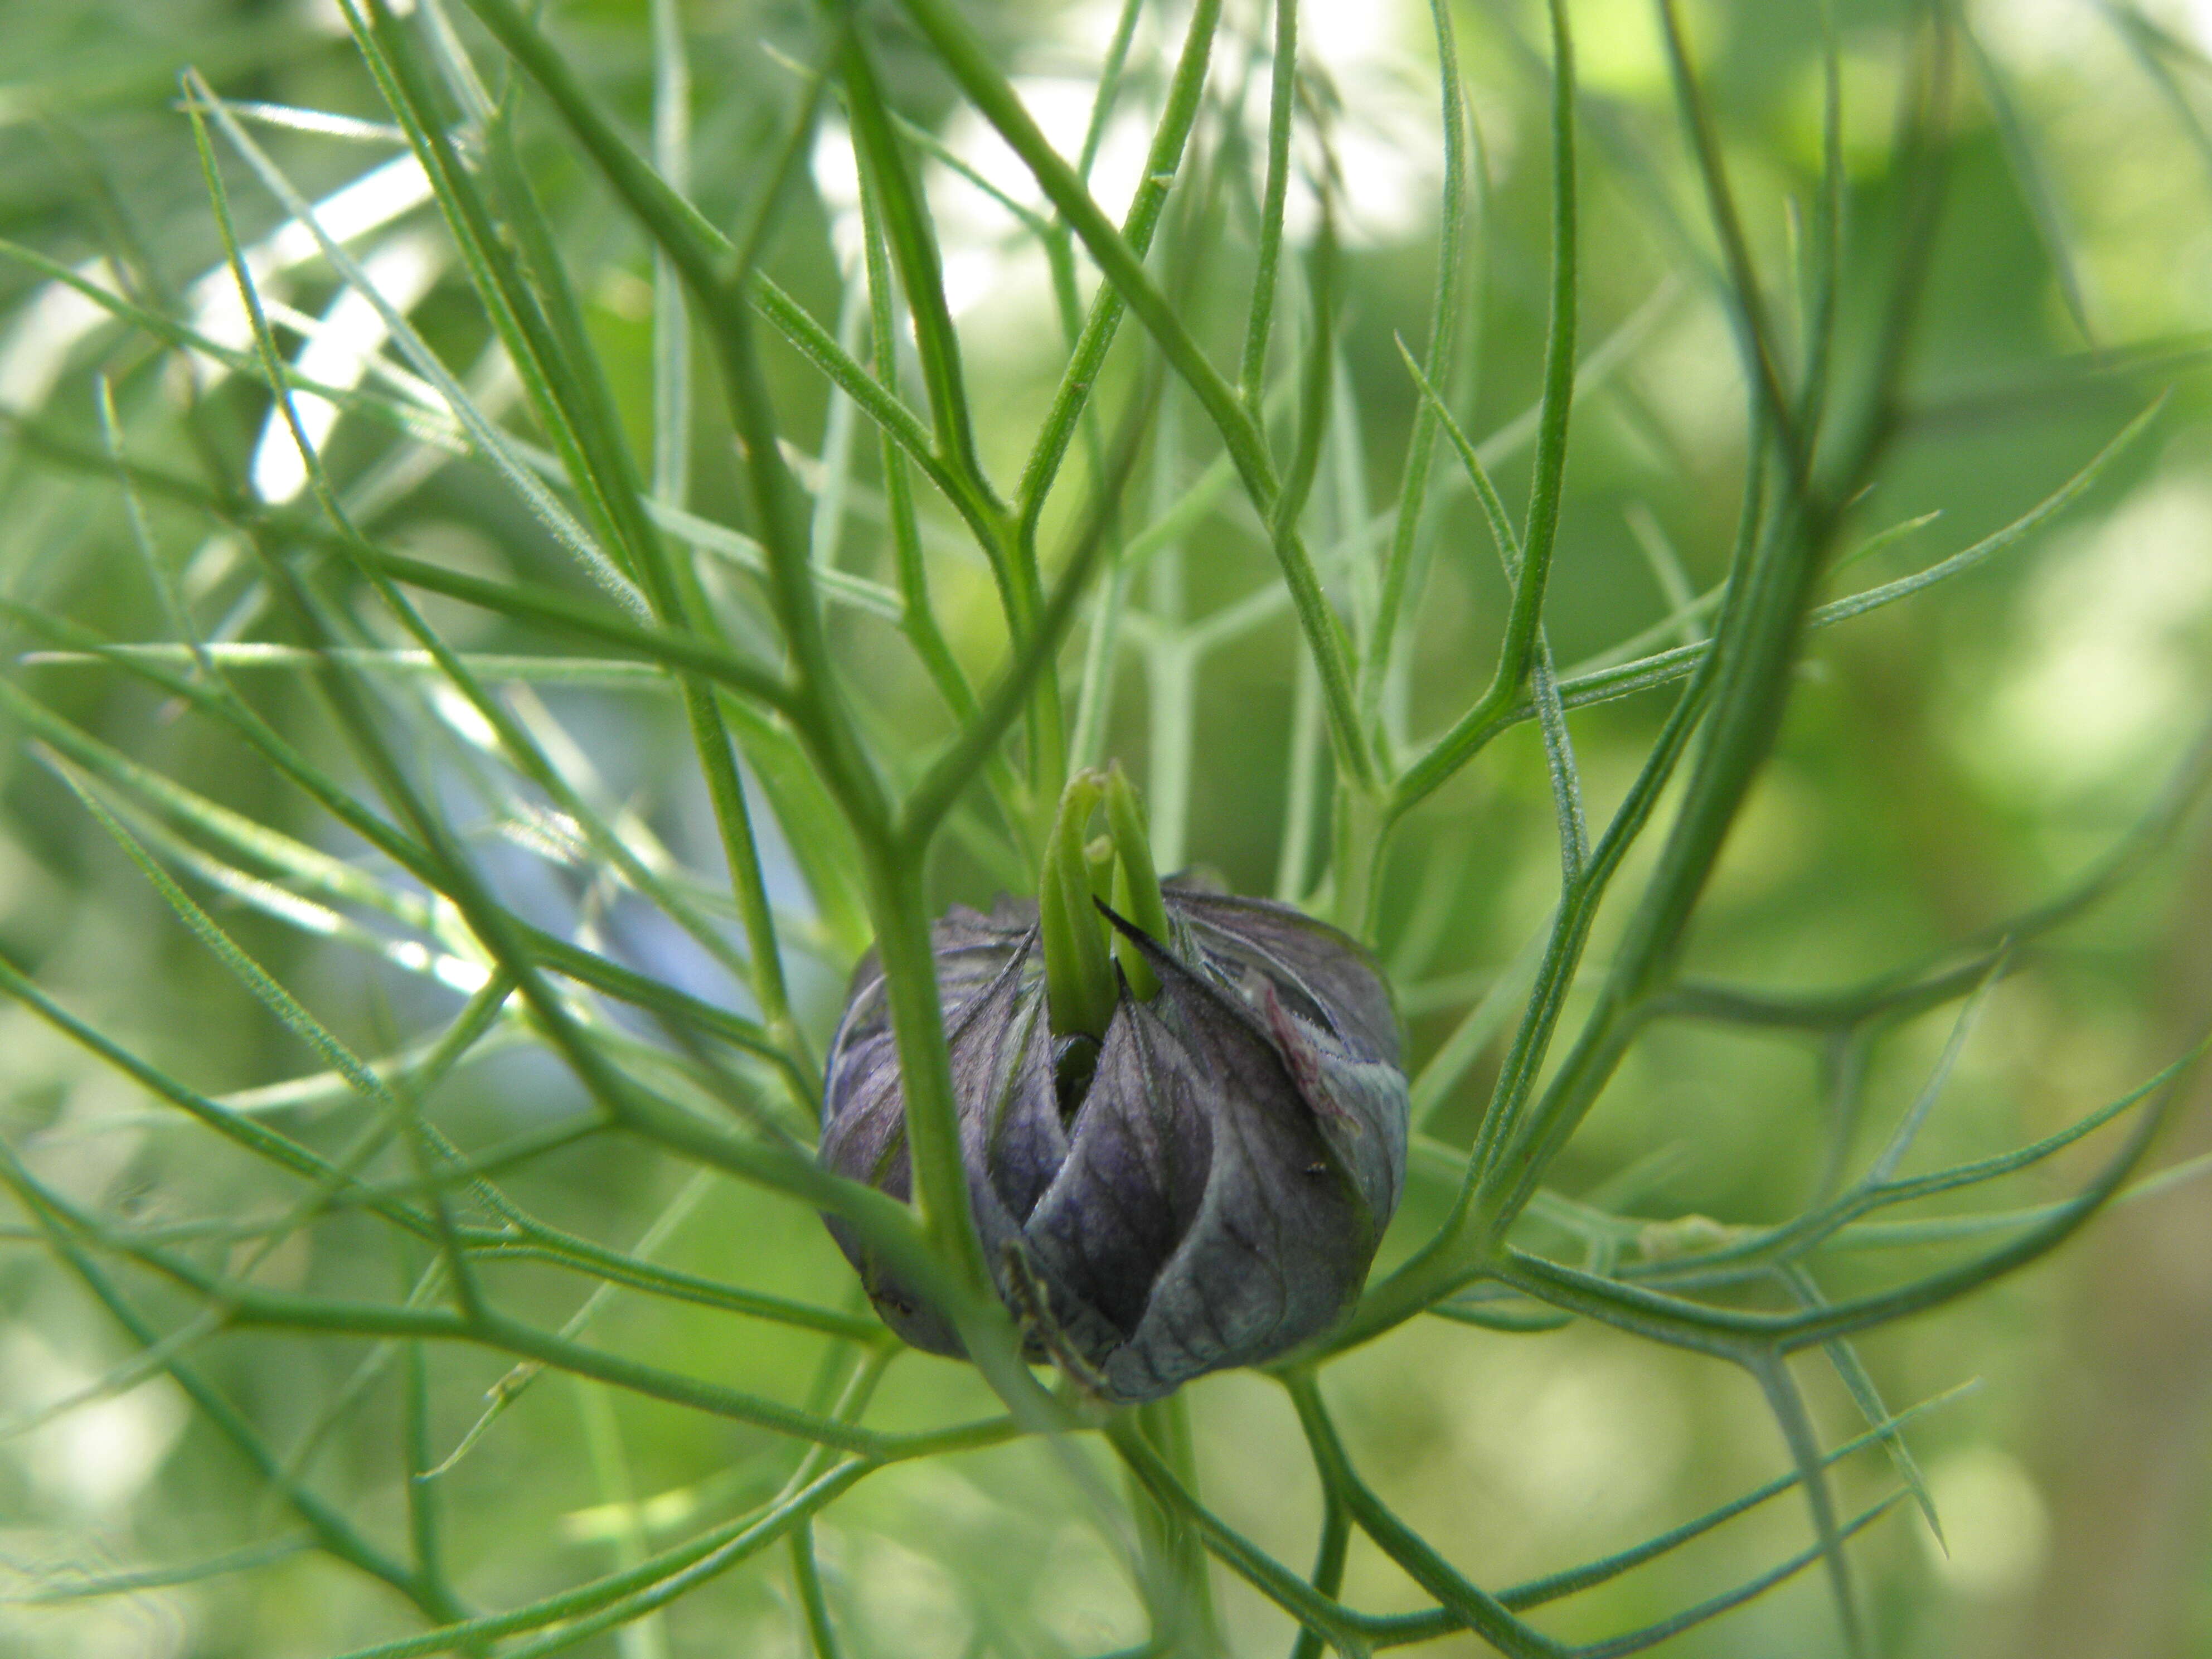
(1079, 970)
(1081, 948)
(1136, 884)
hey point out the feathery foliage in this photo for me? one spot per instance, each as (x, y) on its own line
(653, 577)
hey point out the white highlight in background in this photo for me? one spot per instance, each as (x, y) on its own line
(1383, 132)
(1995, 1520)
(402, 271)
(96, 1455)
(56, 319)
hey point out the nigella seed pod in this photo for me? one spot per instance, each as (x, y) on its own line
(1203, 1185)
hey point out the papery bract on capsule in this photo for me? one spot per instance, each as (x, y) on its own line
(1206, 1190)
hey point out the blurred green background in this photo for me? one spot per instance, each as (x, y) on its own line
(1947, 762)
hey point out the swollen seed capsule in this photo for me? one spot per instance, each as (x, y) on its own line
(1202, 1187)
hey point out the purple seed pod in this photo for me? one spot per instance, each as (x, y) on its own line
(1204, 1187)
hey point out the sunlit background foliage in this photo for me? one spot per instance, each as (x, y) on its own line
(1948, 764)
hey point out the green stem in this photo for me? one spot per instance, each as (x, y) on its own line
(1282, 96)
(1011, 547)
(1183, 1621)
(1328, 1567)
(1517, 654)
(964, 54)
(918, 614)
(1343, 1629)
(1138, 226)
(806, 1577)
(333, 1533)
(1481, 1612)
(1377, 662)
(932, 1129)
